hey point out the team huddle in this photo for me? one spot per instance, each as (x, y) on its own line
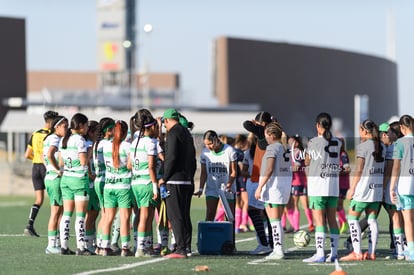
(131, 174)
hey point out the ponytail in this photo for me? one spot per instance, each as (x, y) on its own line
(372, 128)
(325, 121)
(120, 133)
(408, 122)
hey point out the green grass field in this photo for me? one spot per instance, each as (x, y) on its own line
(24, 255)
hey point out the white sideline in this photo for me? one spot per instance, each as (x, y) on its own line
(123, 267)
(128, 266)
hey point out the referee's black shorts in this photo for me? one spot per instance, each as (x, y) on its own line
(38, 176)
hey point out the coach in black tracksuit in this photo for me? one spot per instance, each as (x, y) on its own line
(179, 169)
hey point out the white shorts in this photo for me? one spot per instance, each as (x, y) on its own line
(251, 189)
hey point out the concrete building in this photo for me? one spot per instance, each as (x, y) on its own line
(296, 82)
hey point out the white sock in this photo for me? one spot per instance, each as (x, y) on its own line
(334, 244)
(80, 232)
(399, 243)
(355, 231)
(373, 236)
(64, 231)
(320, 243)
(277, 235)
(51, 241)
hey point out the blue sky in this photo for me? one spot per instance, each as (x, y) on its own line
(61, 34)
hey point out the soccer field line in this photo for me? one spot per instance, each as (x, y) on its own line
(123, 267)
(13, 203)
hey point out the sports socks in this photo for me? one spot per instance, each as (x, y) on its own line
(355, 230)
(258, 225)
(373, 235)
(320, 241)
(334, 236)
(33, 214)
(64, 229)
(80, 230)
(277, 234)
(296, 220)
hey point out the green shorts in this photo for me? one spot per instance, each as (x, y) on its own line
(322, 203)
(143, 195)
(114, 198)
(407, 202)
(389, 206)
(93, 203)
(358, 206)
(99, 189)
(74, 187)
(53, 190)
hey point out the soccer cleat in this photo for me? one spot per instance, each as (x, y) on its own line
(314, 259)
(331, 259)
(243, 228)
(126, 253)
(275, 255)
(368, 256)
(188, 252)
(140, 253)
(173, 247)
(165, 251)
(106, 252)
(344, 228)
(409, 255)
(66, 251)
(398, 257)
(311, 228)
(352, 257)
(261, 250)
(30, 231)
(175, 256)
(115, 249)
(289, 230)
(52, 250)
(157, 248)
(83, 252)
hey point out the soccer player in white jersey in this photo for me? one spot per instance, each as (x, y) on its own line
(366, 190)
(117, 189)
(75, 183)
(143, 163)
(59, 127)
(322, 157)
(218, 166)
(402, 177)
(104, 134)
(389, 133)
(274, 184)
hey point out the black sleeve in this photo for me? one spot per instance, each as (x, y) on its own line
(258, 131)
(170, 155)
(251, 127)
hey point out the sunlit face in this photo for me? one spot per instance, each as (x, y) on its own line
(269, 138)
(83, 128)
(61, 128)
(385, 138)
(212, 145)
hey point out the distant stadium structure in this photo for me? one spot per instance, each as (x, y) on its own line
(13, 60)
(296, 82)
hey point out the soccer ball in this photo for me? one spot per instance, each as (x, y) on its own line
(301, 238)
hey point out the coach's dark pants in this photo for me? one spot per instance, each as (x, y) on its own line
(178, 211)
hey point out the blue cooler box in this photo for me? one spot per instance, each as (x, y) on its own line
(215, 238)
